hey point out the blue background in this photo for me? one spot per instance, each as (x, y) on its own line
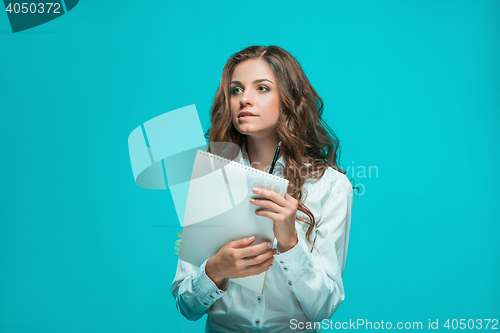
(410, 87)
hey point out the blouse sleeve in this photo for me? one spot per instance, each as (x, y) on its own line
(194, 291)
(316, 278)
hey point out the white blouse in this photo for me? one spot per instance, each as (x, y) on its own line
(301, 286)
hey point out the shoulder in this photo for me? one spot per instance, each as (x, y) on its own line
(337, 180)
(331, 178)
(332, 182)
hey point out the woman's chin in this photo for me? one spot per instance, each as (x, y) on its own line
(254, 130)
(247, 130)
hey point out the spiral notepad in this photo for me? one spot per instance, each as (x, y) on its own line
(218, 210)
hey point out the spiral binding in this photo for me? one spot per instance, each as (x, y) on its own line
(228, 161)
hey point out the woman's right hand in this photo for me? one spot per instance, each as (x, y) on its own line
(237, 259)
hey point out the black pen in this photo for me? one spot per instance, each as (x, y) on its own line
(275, 158)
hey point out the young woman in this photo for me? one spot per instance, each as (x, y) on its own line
(264, 97)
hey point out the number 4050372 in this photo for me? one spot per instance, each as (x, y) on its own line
(32, 7)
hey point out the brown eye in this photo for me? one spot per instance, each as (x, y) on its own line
(233, 91)
(266, 88)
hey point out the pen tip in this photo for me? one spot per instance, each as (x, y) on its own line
(279, 144)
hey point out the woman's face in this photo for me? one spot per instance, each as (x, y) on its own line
(255, 100)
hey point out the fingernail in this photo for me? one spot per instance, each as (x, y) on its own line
(251, 238)
(271, 266)
(252, 200)
(269, 244)
(254, 189)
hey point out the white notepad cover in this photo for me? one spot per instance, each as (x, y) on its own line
(218, 210)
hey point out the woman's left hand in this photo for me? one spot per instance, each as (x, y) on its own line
(282, 211)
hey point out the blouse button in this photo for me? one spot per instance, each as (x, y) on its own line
(259, 299)
(284, 268)
(205, 303)
(290, 283)
(257, 322)
(281, 261)
(212, 296)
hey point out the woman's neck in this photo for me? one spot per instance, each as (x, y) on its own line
(261, 151)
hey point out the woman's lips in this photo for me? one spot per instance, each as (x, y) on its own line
(246, 117)
(243, 115)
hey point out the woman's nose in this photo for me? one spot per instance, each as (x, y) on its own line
(246, 98)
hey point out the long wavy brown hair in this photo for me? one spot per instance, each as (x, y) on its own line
(306, 137)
